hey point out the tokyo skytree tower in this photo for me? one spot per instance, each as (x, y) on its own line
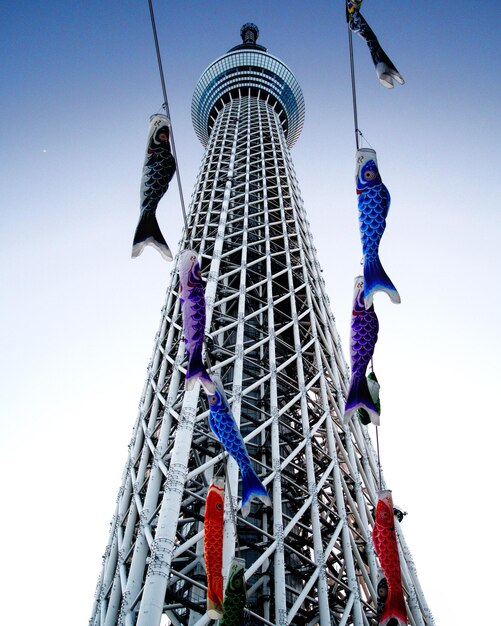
(272, 341)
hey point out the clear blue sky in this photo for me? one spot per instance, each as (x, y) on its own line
(78, 83)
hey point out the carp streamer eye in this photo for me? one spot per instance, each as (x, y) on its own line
(219, 506)
(382, 590)
(370, 175)
(237, 583)
(163, 134)
(212, 400)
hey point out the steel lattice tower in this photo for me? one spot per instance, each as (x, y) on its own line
(272, 339)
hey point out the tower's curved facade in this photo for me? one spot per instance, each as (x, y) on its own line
(248, 68)
(272, 340)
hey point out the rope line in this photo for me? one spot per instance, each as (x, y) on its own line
(358, 135)
(378, 457)
(167, 111)
(207, 356)
(232, 509)
(353, 89)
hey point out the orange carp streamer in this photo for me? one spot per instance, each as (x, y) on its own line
(213, 547)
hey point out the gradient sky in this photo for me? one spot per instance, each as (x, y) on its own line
(78, 83)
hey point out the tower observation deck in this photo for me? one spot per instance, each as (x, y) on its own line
(272, 340)
(248, 67)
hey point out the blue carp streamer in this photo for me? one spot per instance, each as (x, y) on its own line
(223, 425)
(373, 206)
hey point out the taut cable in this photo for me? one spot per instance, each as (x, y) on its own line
(353, 87)
(167, 111)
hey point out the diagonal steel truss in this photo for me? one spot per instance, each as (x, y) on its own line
(272, 339)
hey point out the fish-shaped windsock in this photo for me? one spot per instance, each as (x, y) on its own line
(235, 596)
(364, 330)
(192, 294)
(213, 547)
(373, 207)
(352, 6)
(385, 70)
(223, 425)
(385, 544)
(382, 594)
(373, 385)
(158, 170)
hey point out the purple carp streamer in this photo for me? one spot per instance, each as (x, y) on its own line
(158, 170)
(385, 70)
(192, 295)
(225, 428)
(373, 207)
(364, 331)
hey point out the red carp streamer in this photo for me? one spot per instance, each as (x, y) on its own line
(213, 547)
(385, 543)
